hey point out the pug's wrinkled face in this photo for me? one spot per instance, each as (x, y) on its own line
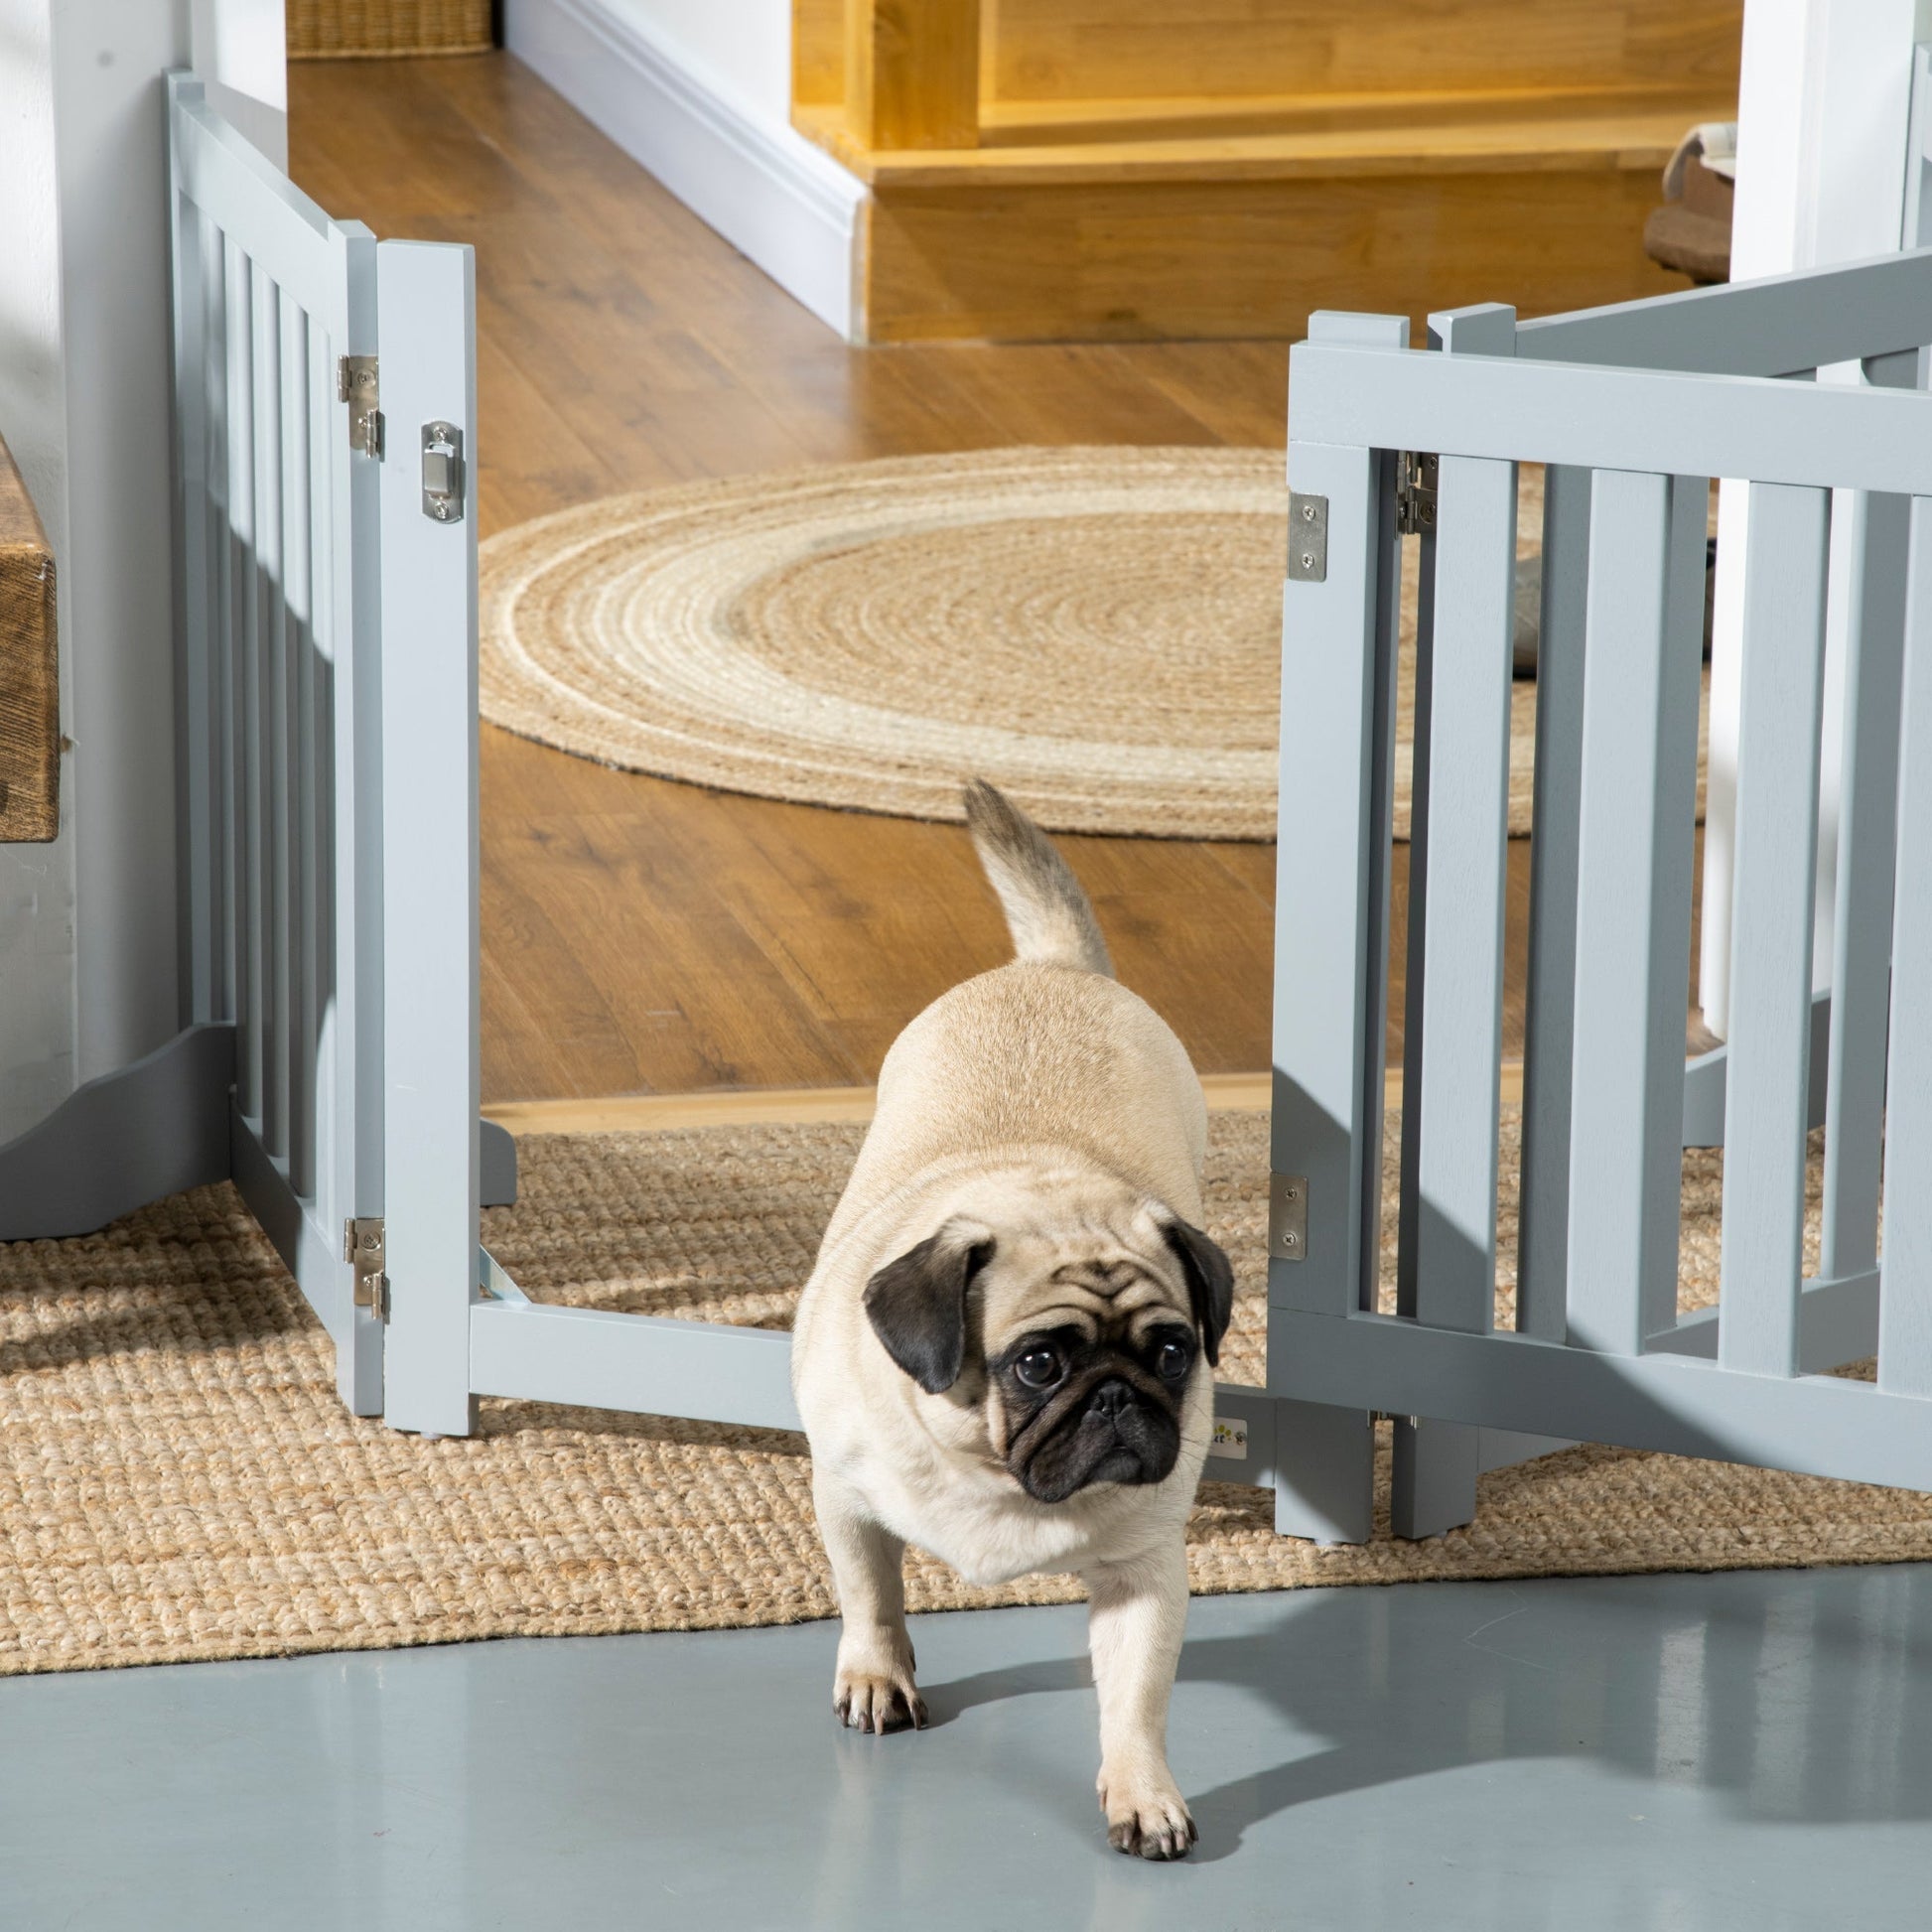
(1085, 1396)
(1089, 1341)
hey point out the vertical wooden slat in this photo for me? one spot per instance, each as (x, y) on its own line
(272, 699)
(336, 1017)
(297, 757)
(1432, 1462)
(1329, 995)
(195, 759)
(220, 782)
(318, 880)
(1771, 929)
(245, 639)
(215, 453)
(912, 72)
(1854, 1082)
(1905, 1294)
(1854, 1094)
(1635, 851)
(1468, 803)
(1542, 1226)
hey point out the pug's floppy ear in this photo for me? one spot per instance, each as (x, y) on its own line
(1210, 1281)
(916, 1304)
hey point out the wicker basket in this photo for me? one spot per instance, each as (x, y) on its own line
(348, 30)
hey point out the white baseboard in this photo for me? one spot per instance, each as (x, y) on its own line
(770, 192)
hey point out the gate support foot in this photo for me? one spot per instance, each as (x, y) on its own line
(122, 1140)
(1325, 1472)
(1433, 1483)
(498, 1163)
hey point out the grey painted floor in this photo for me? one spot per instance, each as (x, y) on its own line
(1672, 1753)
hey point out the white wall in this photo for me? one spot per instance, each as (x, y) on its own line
(87, 969)
(118, 586)
(700, 95)
(240, 50)
(36, 880)
(740, 48)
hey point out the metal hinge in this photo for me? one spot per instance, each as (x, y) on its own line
(357, 385)
(1307, 538)
(1288, 1216)
(362, 1250)
(1415, 493)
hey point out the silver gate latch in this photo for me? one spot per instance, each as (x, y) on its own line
(1415, 493)
(356, 385)
(443, 472)
(1288, 1216)
(362, 1250)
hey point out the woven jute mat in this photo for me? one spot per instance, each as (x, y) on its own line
(1096, 630)
(178, 1479)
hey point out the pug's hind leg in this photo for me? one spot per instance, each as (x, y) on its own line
(873, 1688)
(1136, 1618)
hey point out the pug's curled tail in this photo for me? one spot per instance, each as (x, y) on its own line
(1048, 915)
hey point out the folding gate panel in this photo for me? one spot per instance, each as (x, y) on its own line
(324, 392)
(279, 624)
(326, 405)
(1598, 1350)
(325, 399)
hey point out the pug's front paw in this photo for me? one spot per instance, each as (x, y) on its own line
(879, 1697)
(1147, 1819)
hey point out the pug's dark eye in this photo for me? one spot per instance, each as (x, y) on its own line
(1171, 1360)
(1039, 1368)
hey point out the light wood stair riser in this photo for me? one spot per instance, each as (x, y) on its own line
(1083, 170)
(1149, 260)
(1048, 53)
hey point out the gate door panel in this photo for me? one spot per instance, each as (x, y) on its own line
(278, 637)
(324, 392)
(1599, 1350)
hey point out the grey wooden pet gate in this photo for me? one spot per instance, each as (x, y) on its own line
(326, 688)
(324, 402)
(1634, 409)
(328, 1061)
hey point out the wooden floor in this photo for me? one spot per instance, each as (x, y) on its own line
(642, 936)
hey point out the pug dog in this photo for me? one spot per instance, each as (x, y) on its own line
(1005, 1352)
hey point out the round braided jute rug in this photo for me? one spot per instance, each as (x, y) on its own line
(179, 1481)
(1095, 630)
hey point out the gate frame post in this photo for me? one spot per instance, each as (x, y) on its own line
(1332, 922)
(1433, 1465)
(430, 934)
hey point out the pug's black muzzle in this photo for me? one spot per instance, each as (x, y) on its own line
(1117, 1434)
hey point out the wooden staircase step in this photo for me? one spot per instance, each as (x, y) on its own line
(1244, 235)
(1641, 139)
(1034, 123)
(1117, 169)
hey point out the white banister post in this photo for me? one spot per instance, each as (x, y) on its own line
(1824, 118)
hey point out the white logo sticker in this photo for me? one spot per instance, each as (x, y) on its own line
(1230, 1439)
